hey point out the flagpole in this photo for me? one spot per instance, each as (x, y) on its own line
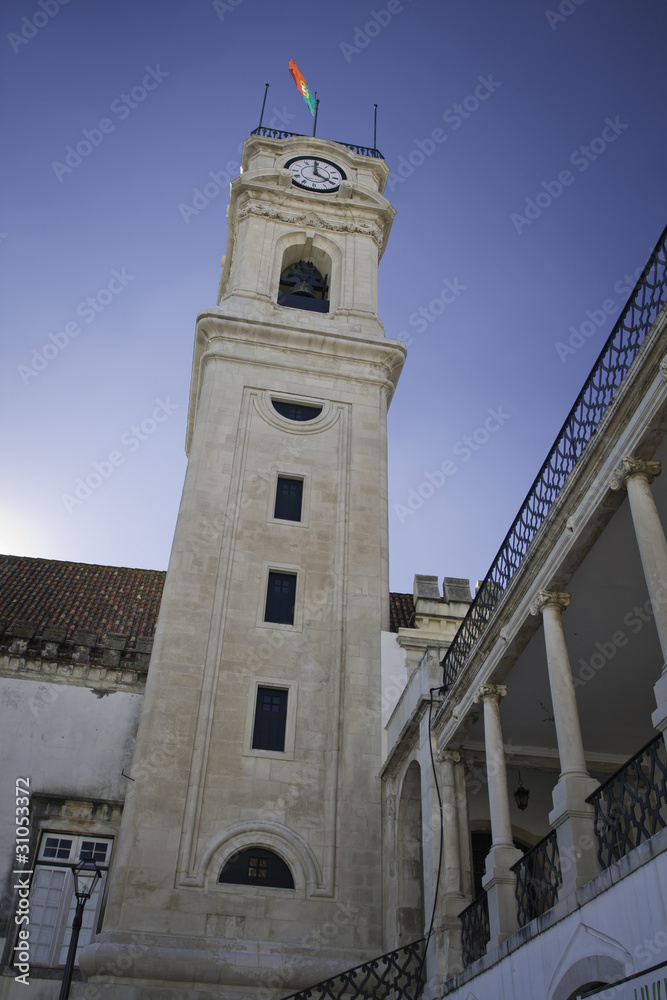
(317, 107)
(375, 127)
(266, 90)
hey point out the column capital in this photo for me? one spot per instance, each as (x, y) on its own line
(631, 466)
(448, 757)
(549, 598)
(491, 692)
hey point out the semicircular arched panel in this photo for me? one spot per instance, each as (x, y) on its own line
(259, 867)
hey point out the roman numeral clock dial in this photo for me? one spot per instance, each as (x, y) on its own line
(315, 174)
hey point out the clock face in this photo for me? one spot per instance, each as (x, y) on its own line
(315, 174)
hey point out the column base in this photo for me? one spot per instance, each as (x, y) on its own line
(500, 885)
(574, 821)
(450, 936)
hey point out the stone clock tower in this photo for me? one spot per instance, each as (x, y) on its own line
(249, 861)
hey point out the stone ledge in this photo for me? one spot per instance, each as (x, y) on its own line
(102, 679)
(25, 640)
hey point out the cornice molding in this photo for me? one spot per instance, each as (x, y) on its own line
(311, 220)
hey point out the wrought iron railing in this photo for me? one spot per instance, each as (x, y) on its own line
(278, 133)
(538, 879)
(617, 355)
(394, 976)
(475, 933)
(631, 806)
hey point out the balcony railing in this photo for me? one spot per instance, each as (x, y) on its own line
(475, 933)
(394, 976)
(631, 806)
(538, 879)
(278, 133)
(610, 369)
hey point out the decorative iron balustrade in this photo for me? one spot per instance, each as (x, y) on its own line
(631, 806)
(538, 879)
(475, 933)
(277, 133)
(394, 976)
(637, 318)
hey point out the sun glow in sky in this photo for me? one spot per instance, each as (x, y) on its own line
(527, 148)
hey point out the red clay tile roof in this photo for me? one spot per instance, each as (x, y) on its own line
(80, 596)
(401, 611)
(102, 598)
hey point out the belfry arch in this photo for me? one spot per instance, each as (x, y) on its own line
(316, 252)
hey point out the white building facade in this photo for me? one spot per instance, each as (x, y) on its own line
(472, 805)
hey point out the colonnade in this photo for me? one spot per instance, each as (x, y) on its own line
(571, 817)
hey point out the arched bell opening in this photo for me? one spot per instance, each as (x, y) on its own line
(304, 277)
(303, 286)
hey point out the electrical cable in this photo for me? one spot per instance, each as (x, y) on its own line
(432, 691)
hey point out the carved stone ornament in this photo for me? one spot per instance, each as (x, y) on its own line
(663, 367)
(492, 691)
(310, 219)
(631, 466)
(448, 757)
(546, 598)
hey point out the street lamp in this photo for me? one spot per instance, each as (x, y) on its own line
(86, 876)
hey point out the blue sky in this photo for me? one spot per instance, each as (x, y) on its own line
(488, 114)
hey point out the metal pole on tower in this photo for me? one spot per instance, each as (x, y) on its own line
(261, 117)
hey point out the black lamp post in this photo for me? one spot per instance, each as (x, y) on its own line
(86, 876)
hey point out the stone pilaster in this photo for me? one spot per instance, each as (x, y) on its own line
(572, 817)
(453, 898)
(499, 881)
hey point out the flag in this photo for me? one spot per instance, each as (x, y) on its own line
(302, 85)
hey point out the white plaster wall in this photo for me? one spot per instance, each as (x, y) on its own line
(394, 679)
(67, 741)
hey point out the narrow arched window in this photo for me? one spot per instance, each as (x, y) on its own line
(257, 866)
(302, 286)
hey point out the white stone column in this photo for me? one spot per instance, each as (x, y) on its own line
(572, 817)
(499, 881)
(453, 898)
(636, 476)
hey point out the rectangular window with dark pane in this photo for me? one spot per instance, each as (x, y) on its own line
(289, 496)
(280, 597)
(270, 719)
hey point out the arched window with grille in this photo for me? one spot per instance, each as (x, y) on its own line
(257, 866)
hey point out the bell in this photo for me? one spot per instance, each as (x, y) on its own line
(303, 288)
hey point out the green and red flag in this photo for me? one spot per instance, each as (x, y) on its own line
(302, 85)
